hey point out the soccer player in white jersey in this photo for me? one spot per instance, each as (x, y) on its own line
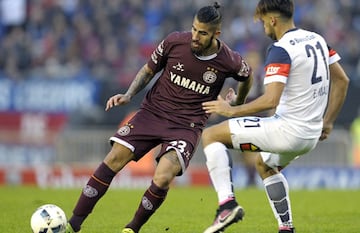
(306, 85)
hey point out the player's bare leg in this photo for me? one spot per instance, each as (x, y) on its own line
(168, 167)
(248, 159)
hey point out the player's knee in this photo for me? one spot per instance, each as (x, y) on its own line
(168, 167)
(208, 136)
(163, 180)
(259, 163)
(118, 157)
(263, 169)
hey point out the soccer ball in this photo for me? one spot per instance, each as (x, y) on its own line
(48, 218)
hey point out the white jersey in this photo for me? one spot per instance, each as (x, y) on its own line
(301, 60)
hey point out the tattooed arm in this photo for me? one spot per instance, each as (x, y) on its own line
(142, 78)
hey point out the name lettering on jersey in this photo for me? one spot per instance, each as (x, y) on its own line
(189, 84)
(277, 69)
(322, 91)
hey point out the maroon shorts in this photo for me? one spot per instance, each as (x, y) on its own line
(146, 130)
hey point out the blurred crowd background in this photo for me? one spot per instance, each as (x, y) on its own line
(109, 40)
(60, 60)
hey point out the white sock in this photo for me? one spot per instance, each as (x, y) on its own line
(219, 166)
(277, 190)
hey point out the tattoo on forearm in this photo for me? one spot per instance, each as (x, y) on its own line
(142, 78)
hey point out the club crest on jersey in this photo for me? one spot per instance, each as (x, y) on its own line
(125, 130)
(210, 75)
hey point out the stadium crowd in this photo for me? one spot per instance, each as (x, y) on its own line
(110, 40)
(113, 38)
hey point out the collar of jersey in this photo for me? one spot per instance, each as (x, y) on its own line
(205, 58)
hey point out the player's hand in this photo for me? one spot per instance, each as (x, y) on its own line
(119, 99)
(219, 106)
(231, 96)
(327, 128)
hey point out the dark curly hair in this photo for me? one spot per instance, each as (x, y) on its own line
(210, 14)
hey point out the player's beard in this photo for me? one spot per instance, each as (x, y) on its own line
(202, 48)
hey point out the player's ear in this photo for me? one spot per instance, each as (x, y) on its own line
(217, 33)
(272, 21)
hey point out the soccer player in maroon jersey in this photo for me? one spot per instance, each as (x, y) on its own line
(193, 67)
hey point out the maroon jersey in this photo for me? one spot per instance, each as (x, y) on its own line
(186, 81)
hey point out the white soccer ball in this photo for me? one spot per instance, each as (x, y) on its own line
(48, 218)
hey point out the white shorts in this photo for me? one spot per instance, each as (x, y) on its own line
(271, 137)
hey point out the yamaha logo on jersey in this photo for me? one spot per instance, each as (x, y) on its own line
(209, 76)
(125, 130)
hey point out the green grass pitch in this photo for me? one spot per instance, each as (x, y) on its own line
(187, 210)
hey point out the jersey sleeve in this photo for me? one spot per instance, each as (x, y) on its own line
(333, 56)
(244, 72)
(242, 68)
(158, 57)
(277, 65)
